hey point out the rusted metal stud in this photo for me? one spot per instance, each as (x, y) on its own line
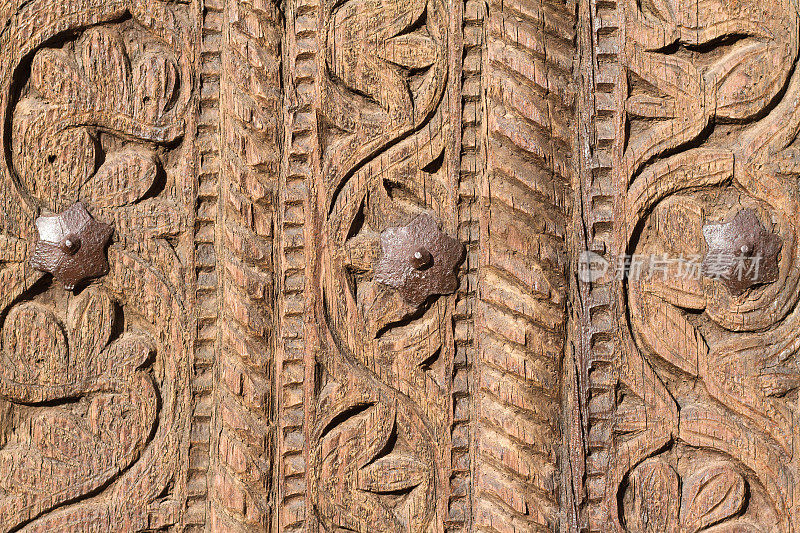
(419, 260)
(741, 252)
(71, 246)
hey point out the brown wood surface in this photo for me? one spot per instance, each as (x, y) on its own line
(347, 285)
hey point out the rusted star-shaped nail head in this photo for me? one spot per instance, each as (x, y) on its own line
(419, 260)
(741, 252)
(71, 246)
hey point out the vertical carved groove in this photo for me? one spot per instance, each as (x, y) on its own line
(525, 196)
(243, 432)
(296, 176)
(472, 165)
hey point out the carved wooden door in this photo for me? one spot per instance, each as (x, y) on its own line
(399, 266)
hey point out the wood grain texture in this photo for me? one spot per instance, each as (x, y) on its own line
(522, 286)
(347, 286)
(243, 423)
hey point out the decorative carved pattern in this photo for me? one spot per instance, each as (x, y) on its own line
(242, 441)
(380, 412)
(471, 155)
(296, 341)
(520, 321)
(93, 383)
(206, 269)
(709, 496)
(706, 388)
(61, 452)
(339, 294)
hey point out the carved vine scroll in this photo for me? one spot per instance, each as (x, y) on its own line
(706, 164)
(378, 449)
(333, 283)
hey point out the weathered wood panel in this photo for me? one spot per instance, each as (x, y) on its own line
(98, 108)
(692, 402)
(398, 265)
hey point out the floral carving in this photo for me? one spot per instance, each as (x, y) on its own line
(678, 98)
(373, 467)
(80, 445)
(386, 68)
(708, 361)
(93, 126)
(376, 456)
(382, 406)
(76, 94)
(707, 500)
(374, 48)
(90, 404)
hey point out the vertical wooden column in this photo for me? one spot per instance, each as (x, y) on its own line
(525, 198)
(251, 128)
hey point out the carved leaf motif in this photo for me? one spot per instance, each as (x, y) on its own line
(156, 84)
(62, 455)
(381, 307)
(91, 321)
(710, 496)
(777, 380)
(411, 51)
(654, 508)
(52, 168)
(125, 418)
(753, 75)
(669, 334)
(358, 42)
(85, 85)
(55, 76)
(106, 68)
(124, 178)
(126, 354)
(35, 347)
(395, 472)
